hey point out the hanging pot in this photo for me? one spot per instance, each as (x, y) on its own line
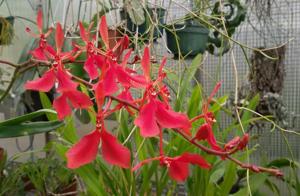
(6, 30)
(187, 39)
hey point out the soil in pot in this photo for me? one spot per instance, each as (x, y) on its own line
(188, 39)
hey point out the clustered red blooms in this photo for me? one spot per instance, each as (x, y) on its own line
(110, 76)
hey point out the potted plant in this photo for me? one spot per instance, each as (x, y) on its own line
(189, 38)
(140, 20)
(195, 35)
(47, 175)
(234, 14)
(6, 30)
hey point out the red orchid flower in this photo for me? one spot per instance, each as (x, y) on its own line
(58, 56)
(155, 112)
(97, 58)
(77, 100)
(178, 166)
(205, 131)
(237, 143)
(47, 81)
(39, 52)
(94, 60)
(120, 46)
(115, 72)
(112, 72)
(85, 151)
(57, 72)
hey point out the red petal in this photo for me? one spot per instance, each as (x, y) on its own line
(113, 152)
(82, 32)
(194, 159)
(138, 81)
(59, 37)
(109, 82)
(39, 21)
(121, 46)
(85, 151)
(78, 99)
(162, 64)
(62, 107)
(104, 31)
(43, 84)
(146, 63)
(244, 142)
(179, 171)
(90, 68)
(126, 95)
(125, 58)
(147, 121)
(215, 90)
(123, 77)
(205, 132)
(64, 81)
(50, 51)
(39, 54)
(232, 143)
(99, 93)
(99, 60)
(167, 118)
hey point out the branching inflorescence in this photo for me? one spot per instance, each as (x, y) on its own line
(111, 79)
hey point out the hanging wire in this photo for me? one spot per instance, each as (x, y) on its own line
(30, 145)
(1, 2)
(8, 8)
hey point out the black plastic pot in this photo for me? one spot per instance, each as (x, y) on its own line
(144, 29)
(6, 30)
(191, 38)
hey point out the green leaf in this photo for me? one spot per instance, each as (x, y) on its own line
(217, 175)
(219, 103)
(91, 111)
(229, 178)
(46, 103)
(26, 117)
(283, 162)
(24, 129)
(186, 81)
(83, 116)
(272, 186)
(247, 114)
(87, 173)
(195, 101)
(68, 131)
(256, 181)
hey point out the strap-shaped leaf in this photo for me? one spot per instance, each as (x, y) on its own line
(26, 117)
(31, 128)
